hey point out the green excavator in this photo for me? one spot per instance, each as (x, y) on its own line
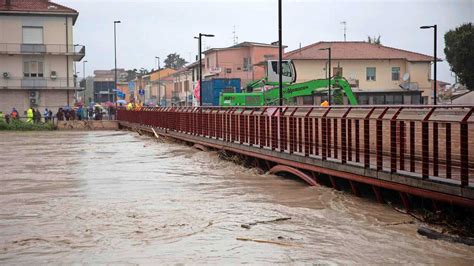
(268, 93)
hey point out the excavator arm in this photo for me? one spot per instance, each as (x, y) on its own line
(309, 88)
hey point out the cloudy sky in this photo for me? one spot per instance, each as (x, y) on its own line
(156, 28)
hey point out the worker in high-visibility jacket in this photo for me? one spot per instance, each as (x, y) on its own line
(325, 104)
(129, 106)
(29, 115)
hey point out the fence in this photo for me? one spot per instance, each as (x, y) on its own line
(430, 142)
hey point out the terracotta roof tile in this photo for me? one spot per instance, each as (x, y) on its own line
(354, 50)
(35, 5)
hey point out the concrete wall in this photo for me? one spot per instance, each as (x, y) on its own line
(88, 125)
(51, 99)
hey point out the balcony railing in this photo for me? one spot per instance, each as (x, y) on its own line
(75, 50)
(38, 83)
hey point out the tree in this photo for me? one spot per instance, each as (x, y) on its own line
(374, 40)
(174, 61)
(131, 74)
(459, 50)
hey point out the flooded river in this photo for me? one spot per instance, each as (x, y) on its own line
(117, 197)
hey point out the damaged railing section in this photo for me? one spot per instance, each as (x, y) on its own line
(429, 142)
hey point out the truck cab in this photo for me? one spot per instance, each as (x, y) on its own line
(288, 73)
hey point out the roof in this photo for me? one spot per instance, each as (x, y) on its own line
(195, 63)
(354, 50)
(249, 44)
(44, 7)
(240, 45)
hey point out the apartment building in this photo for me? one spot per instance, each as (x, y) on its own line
(37, 53)
(104, 84)
(239, 61)
(377, 73)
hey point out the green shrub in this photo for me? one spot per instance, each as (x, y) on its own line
(19, 125)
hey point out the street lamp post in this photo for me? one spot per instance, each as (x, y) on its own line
(280, 54)
(435, 29)
(159, 85)
(200, 65)
(84, 78)
(329, 73)
(115, 53)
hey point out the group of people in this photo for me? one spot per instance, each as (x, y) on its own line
(33, 115)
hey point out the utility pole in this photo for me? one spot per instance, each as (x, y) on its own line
(435, 28)
(115, 52)
(344, 23)
(329, 73)
(280, 53)
(159, 82)
(84, 78)
(200, 65)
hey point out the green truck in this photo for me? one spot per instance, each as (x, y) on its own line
(268, 93)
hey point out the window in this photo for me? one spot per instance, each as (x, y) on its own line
(186, 85)
(371, 73)
(378, 99)
(32, 35)
(33, 68)
(395, 73)
(415, 99)
(363, 99)
(247, 63)
(228, 70)
(337, 71)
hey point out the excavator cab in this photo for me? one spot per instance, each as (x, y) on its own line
(288, 73)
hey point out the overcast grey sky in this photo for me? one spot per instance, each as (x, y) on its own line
(156, 28)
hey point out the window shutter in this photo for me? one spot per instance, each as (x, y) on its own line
(32, 35)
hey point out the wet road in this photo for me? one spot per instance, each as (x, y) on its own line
(116, 197)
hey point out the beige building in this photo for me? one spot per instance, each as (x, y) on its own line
(159, 82)
(378, 74)
(37, 53)
(183, 87)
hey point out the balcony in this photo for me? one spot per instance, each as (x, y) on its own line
(76, 51)
(37, 83)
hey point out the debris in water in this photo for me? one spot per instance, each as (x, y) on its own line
(264, 241)
(248, 226)
(432, 234)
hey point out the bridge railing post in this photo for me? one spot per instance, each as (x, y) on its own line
(344, 135)
(425, 171)
(367, 138)
(464, 142)
(308, 132)
(393, 142)
(379, 139)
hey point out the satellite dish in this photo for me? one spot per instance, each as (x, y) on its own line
(406, 77)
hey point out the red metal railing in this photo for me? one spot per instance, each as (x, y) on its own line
(431, 142)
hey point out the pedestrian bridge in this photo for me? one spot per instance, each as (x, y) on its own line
(419, 152)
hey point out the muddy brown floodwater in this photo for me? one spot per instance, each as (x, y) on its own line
(117, 197)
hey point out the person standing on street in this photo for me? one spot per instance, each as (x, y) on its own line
(14, 114)
(46, 115)
(37, 116)
(30, 115)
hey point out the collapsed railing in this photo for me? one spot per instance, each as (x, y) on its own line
(430, 142)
